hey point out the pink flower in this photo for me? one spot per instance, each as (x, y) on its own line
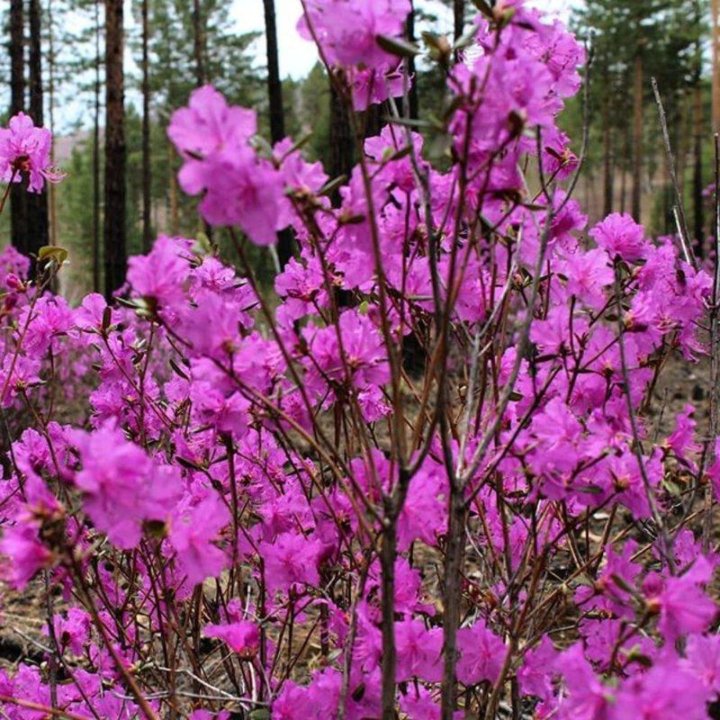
(347, 30)
(703, 658)
(419, 651)
(481, 654)
(25, 150)
(25, 553)
(365, 357)
(535, 676)
(207, 126)
(585, 698)
(290, 560)
(193, 531)
(665, 692)
(241, 637)
(161, 274)
(240, 188)
(245, 191)
(117, 481)
(619, 235)
(72, 631)
(684, 607)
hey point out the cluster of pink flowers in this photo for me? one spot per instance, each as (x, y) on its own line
(25, 153)
(258, 509)
(347, 31)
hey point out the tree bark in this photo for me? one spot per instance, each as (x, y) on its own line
(115, 149)
(199, 44)
(146, 158)
(699, 220)
(277, 112)
(715, 39)
(609, 169)
(414, 104)
(637, 138)
(341, 142)
(96, 157)
(458, 18)
(623, 176)
(52, 190)
(38, 223)
(18, 196)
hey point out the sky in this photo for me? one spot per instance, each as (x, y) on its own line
(297, 56)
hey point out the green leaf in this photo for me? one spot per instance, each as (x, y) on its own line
(260, 714)
(397, 46)
(52, 253)
(484, 8)
(466, 40)
(107, 318)
(332, 185)
(177, 370)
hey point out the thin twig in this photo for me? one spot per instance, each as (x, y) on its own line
(680, 208)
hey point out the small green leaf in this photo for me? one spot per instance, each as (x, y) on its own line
(332, 185)
(260, 714)
(177, 370)
(484, 8)
(397, 46)
(590, 490)
(155, 528)
(54, 254)
(466, 40)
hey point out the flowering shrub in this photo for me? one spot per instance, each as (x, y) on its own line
(268, 513)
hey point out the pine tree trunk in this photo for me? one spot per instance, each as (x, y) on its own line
(146, 158)
(173, 192)
(637, 138)
(608, 165)
(458, 18)
(198, 44)
(341, 142)
(277, 112)
(414, 103)
(715, 39)
(699, 220)
(96, 157)
(115, 150)
(38, 232)
(52, 190)
(18, 196)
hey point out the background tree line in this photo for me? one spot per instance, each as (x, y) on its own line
(129, 64)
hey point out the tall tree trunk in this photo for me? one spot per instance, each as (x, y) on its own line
(341, 142)
(458, 18)
(608, 164)
(637, 138)
(18, 196)
(458, 24)
(52, 190)
(199, 44)
(146, 158)
(277, 112)
(96, 157)
(38, 232)
(413, 101)
(173, 192)
(699, 220)
(623, 175)
(715, 39)
(115, 150)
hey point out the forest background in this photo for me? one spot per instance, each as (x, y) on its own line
(106, 75)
